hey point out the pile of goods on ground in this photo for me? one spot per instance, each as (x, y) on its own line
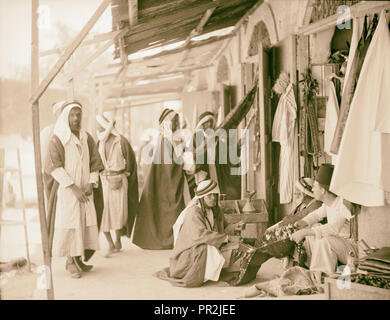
(277, 241)
(371, 280)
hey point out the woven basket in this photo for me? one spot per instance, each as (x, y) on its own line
(279, 249)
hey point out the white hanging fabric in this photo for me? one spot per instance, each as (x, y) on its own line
(331, 116)
(361, 174)
(283, 129)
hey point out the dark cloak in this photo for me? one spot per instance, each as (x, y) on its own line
(51, 185)
(161, 202)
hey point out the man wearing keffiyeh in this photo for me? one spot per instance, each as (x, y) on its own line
(74, 163)
(162, 198)
(119, 182)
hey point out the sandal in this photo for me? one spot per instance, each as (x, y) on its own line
(73, 269)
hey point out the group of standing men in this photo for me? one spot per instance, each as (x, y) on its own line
(89, 187)
(92, 187)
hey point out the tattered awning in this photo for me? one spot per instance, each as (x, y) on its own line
(163, 22)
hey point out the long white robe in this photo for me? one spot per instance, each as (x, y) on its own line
(76, 223)
(361, 174)
(283, 132)
(115, 201)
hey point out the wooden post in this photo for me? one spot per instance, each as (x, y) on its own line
(23, 209)
(2, 165)
(37, 148)
(36, 94)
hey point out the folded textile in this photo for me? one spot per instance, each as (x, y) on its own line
(375, 264)
(383, 255)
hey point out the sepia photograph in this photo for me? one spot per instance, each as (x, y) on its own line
(195, 154)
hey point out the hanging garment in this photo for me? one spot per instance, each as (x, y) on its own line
(361, 174)
(283, 132)
(357, 30)
(351, 82)
(332, 114)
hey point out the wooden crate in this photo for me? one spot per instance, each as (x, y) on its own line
(357, 291)
(260, 217)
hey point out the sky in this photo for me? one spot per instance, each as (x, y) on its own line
(15, 27)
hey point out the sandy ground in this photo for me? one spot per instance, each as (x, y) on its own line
(127, 275)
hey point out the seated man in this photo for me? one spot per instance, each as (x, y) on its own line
(204, 244)
(328, 243)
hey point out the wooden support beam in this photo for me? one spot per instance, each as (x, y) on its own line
(193, 44)
(149, 98)
(153, 75)
(193, 33)
(199, 28)
(133, 12)
(136, 105)
(98, 52)
(47, 276)
(132, 93)
(68, 52)
(358, 10)
(96, 39)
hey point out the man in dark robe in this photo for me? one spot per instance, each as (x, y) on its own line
(162, 198)
(209, 144)
(74, 209)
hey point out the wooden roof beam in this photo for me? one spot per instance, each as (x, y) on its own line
(149, 98)
(358, 10)
(96, 39)
(152, 76)
(68, 52)
(97, 53)
(194, 33)
(133, 12)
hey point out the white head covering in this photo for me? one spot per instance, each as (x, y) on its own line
(165, 121)
(204, 188)
(57, 106)
(106, 120)
(204, 117)
(61, 128)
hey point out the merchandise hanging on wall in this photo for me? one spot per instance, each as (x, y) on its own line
(283, 130)
(351, 81)
(361, 173)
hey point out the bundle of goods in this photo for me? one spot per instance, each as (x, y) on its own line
(371, 280)
(377, 263)
(277, 241)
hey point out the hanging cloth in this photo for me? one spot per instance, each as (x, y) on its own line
(361, 174)
(283, 130)
(332, 114)
(351, 82)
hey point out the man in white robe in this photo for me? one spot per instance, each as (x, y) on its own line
(74, 163)
(119, 182)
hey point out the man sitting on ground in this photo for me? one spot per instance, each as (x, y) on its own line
(328, 243)
(204, 244)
